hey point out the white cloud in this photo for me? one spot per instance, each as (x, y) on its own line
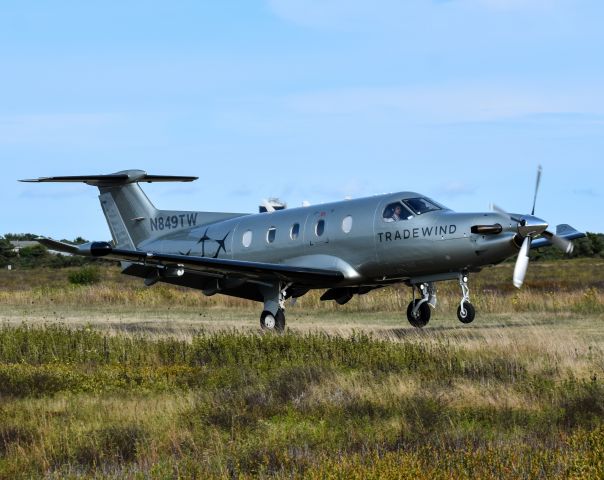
(514, 4)
(585, 192)
(455, 188)
(329, 13)
(450, 103)
(52, 128)
(360, 14)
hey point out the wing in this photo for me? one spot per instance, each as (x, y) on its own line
(217, 267)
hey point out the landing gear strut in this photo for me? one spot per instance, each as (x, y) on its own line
(273, 316)
(466, 311)
(418, 311)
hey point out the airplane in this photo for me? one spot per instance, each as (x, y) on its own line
(347, 247)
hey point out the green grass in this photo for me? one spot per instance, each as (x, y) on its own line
(80, 401)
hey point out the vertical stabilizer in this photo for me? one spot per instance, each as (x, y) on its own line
(127, 210)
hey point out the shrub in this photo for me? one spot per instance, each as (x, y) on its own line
(85, 276)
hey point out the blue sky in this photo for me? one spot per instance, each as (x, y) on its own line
(313, 100)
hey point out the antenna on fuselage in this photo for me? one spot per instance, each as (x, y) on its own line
(270, 205)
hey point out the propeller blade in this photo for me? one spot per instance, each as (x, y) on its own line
(502, 211)
(539, 170)
(499, 209)
(562, 243)
(522, 263)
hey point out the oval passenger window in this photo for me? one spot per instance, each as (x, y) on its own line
(246, 240)
(295, 231)
(320, 228)
(347, 224)
(270, 235)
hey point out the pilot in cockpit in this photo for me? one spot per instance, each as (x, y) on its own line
(396, 214)
(393, 212)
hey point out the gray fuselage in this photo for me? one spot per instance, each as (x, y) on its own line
(351, 236)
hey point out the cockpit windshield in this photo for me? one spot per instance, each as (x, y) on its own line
(421, 205)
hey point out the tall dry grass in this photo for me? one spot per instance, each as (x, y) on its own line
(519, 395)
(564, 286)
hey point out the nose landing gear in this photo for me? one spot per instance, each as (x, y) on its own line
(466, 311)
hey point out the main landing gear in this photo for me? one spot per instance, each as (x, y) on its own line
(418, 311)
(275, 322)
(273, 316)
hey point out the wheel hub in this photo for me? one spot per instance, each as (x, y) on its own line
(269, 321)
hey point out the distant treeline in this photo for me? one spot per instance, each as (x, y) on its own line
(592, 246)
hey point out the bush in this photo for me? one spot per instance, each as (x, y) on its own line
(85, 276)
(117, 443)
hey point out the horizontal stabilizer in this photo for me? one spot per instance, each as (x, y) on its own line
(113, 179)
(58, 246)
(89, 249)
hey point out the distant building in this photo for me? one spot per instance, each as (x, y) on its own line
(19, 244)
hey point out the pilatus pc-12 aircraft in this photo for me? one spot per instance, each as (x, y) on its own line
(348, 247)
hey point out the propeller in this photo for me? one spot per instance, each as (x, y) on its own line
(562, 243)
(501, 210)
(522, 263)
(529, 227)
(539, 172)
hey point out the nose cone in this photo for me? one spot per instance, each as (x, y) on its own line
(530, 225)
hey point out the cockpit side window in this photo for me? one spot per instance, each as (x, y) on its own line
(421, 205)
(395, 211)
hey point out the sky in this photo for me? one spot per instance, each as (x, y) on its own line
(314, 100)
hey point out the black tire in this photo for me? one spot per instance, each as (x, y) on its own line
(271, 322)
(422, 317)
(469, 314)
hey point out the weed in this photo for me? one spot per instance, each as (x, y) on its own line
(87, 275)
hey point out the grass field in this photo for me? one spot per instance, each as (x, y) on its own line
(118, 381)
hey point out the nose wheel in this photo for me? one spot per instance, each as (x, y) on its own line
(467, 314)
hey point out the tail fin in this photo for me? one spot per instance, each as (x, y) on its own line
(127, 209)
